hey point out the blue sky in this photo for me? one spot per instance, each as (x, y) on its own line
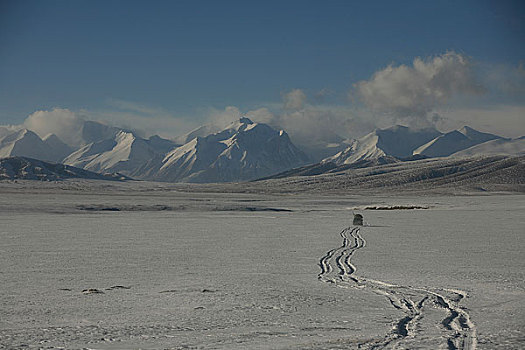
(182, 59)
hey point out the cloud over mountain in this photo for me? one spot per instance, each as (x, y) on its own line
(294, 99)
(415, 94)
(313, 127)
(414, 91)
(59, 121)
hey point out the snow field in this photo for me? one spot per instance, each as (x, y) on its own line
(235, 279)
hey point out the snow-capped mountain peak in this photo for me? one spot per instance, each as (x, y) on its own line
(383, 145)
(26, 143)
(125, 152)
(245, 120)
(399, 141)
(242, 151)
(453, 141)
(476, 135)
(58, 148)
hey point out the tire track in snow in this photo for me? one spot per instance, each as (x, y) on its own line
(458, 330)
(335, 264)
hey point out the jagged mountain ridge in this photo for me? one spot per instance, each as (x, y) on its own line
(60, 149)
(400, 141)
(243, 151)
(454, 141)
(26, 143)
(393, 145)
(383, 146)
(94, 131)
(124, 152)
(201, 131)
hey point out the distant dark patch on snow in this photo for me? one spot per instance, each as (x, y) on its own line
(103, 207)
(99, 207)
(189, 290)
(169, 291)
(396, 207)
(254, 209)
(118, 287)
(92, 291)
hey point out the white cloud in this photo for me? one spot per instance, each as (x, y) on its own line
(261, 115)
(133, 106)
(440, 91)
(222, 118)
(144, 125)
(322, 124)
(145, 120)
(415, 91)
(67, 125)
(8, 129)
(315, 124)
(294, 100)
(310, 124)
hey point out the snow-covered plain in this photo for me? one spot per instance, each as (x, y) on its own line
(183, 269)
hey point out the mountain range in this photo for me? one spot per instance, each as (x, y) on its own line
(383, 146)
(401, 144)
(243, 151)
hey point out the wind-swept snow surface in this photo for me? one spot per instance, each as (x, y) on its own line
(157, 267)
